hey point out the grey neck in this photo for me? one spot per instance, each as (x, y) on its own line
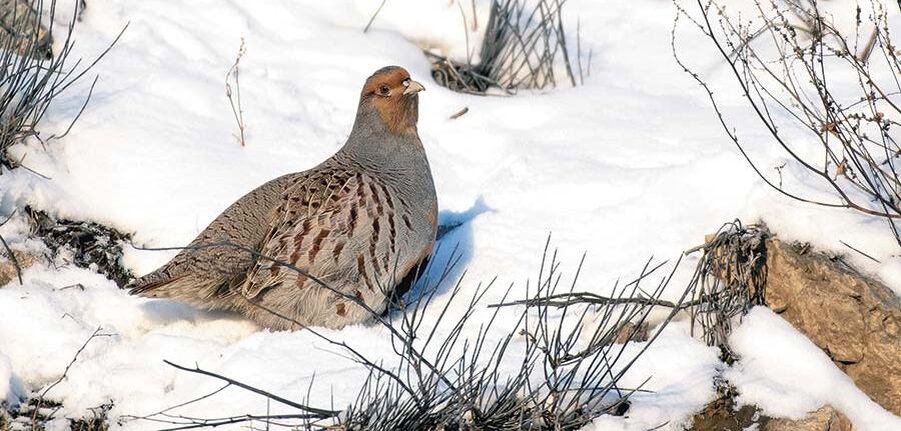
(397, 159)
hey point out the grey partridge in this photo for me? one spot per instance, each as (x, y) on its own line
(360, 222)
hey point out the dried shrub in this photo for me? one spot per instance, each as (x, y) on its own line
(32, 77)
(524, 44)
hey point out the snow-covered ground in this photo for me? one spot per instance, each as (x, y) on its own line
(631, 164)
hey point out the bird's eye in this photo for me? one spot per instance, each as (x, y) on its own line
(384, 90)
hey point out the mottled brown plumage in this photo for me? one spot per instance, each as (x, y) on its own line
(361, 221)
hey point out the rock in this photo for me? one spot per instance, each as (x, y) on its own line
(854, 319)
(723, 415)
(21, 22)
(825, 418)
(8, 269)
(632, 333)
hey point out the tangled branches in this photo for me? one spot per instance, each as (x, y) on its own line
(729, 279)
(554, 366)
(800, 73)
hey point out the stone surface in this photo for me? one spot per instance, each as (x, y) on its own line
(825, 418)
(723, 415)
(854, 319)
(22, 22)
(8, 270)
(632, 333)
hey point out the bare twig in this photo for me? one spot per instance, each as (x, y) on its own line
(371, 19)
(459, 113)
(318, 413)
(234, 96)
(43, 394)
(860, 252)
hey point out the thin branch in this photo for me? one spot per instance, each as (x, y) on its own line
(319, 413)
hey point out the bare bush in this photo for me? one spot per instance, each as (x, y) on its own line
(32, 77)
(798, 71)
(523, 45)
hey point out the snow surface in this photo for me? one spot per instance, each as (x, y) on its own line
(785, 374)
(631, 164)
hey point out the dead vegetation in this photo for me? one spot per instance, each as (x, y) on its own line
(570, 346)
(40, 412)
(32, 76)
(40, 415)
(85, 244)
(233, 93)
(729, 279)
(828, 99)
(443, 376)
(524, 47)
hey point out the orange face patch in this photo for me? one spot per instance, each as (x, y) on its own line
(386, 82)
(384, 91)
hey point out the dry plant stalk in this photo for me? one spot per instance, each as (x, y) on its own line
(799, 73)
(234, 94)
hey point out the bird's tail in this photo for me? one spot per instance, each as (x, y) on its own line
(154, 285)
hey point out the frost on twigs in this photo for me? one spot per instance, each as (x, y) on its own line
(524, 47)
(32, 73)
(826, 96)
(558, 364)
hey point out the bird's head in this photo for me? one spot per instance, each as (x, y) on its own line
(391, 94)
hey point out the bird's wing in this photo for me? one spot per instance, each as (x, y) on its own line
(199, 270)
(336, 226)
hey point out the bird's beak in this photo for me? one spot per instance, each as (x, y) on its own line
(413, 88)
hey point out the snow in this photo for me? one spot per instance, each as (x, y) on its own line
(786, 375)
(6, 389)
(681, 380)
(631, 164)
